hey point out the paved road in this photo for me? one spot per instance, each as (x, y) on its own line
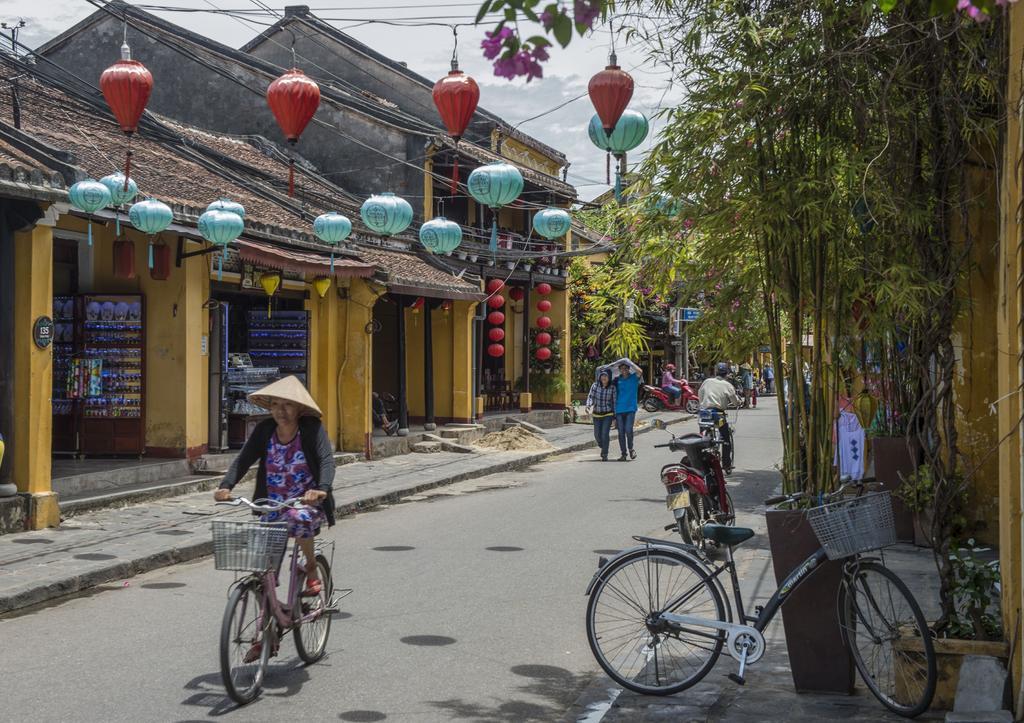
(468, 605)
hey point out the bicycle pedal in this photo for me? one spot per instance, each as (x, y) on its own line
(738, 680)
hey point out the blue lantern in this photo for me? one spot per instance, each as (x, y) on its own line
(552, 223)
(120, 194)
(89, 196)
(440, 236)
(629, 132)
(386, 214)
(332, 228)
(495, 185)
(151, 217)
(226, 204)
(221, 228)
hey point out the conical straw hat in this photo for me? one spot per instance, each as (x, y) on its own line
(289, 389)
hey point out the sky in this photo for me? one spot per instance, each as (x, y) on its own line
(427, 50)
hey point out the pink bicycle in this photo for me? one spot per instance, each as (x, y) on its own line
(255, 619)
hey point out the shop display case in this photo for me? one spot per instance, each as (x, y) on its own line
(281, 341)
(240, 379)
(65, 406)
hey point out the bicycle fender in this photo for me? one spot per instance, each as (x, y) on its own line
(668, 545)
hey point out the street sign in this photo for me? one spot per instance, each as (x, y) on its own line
(690, 314)
(42, 332)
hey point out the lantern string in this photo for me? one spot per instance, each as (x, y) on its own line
(150, 253)
(291, 177)
(127, 163)
(454, 188)
(332, 262)
(117, 220)
(90, 232)
(455, 48)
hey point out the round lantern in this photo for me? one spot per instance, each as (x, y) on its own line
(122, 191)
(440, 236)
(543, 353)
(226, 204)
(543, 339)
(496, 350)
(544, 306)
(386, 214)
(516, 293)
(495, 285)
(270, 284)
(543, 322)
(496, 318)
(151, 217)
(610, 92)
(293, 99)
(221, 228)
(496, 334)
(495, 185)
(322, 285)
(496, 302)
(124, 259)
(543, 288)
(456, 96)
(332, 228)
(89, 196)
(552, 222)
(126, 86)
(629, 132)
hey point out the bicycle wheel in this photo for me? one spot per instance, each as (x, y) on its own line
(632, 644)
(244, 627)
(311, 636)
(884, 628)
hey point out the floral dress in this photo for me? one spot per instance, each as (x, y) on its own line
(288, 476)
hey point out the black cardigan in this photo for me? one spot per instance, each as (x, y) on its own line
(316, 446)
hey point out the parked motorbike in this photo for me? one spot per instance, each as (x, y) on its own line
(695, 488)
(655, 399)
(709, 426)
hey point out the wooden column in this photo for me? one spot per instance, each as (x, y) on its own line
(428, 366)
(403, 402)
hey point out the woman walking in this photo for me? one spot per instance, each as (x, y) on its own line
(601, 405)
(627, 387)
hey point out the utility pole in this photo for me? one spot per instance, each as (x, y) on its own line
(13, 28)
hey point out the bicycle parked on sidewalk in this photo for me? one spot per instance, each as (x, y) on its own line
(255, 619)
(658, 617)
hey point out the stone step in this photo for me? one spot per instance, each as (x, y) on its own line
(138, 492)
(426, 447)
(119, 474)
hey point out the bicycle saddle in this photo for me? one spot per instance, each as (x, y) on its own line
(726, 535)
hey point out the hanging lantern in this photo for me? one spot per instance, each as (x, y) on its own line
(159, 262)
(293, 99)
(543, 339)
(89, 196)
(543, 322)
(543, 306)
(332, 228)
(270, 283)
(495, 185)
(456, 96)
(126, 86)
(496, 302)
(496, 318)
(124, 259)
(496, 350)
(543, 353)
(386, 214)
(552, 222)
(629, 132)
(151, 217)
(322, 285)
(516, 293)
(120, 194)
(417, 304)
(446, 306)
(226, 204)
(495, 285)
(610, 91)
(543, 288)
(496, 334)
(440, 236)
(221, 228)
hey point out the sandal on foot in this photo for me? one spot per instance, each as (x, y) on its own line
(313, 587)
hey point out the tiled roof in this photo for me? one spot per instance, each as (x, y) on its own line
(20, 168)
(484, 155)
(305, 262)
(406, 272)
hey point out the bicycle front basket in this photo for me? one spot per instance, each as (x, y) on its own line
(248, 546)
(858, 524)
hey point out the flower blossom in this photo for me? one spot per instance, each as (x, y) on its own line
(493, 42)
(585, 12)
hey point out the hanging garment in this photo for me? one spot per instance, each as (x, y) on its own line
(850, 446)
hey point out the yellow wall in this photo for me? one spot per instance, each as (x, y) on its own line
(524, 155)
(325, 335)
(463, 402)
(414, 362)
(444, 381)
(356, 367)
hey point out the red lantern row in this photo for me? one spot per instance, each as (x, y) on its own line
(496, 318)
(543, 352)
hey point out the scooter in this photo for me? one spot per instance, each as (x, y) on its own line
(695, 488)
(656, 399)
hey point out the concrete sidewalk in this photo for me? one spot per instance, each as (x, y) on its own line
(110, 545)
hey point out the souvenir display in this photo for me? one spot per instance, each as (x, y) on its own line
(64, 407)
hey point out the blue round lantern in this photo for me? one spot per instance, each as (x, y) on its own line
(440, 236)
(495, 185)
(332, 228)
(121, 192)
(552, 222)
(90, 196)
(226, 204)
(151, 217)
(221, 228)
(630, 131)
(386, 214)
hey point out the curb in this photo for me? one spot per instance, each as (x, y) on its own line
(122, 569)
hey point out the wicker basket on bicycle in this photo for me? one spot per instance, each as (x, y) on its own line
(248, 546)
(854, 525)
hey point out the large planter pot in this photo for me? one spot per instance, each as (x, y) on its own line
(922, 528)
(818, 659)
(894, 458)
(949, 656)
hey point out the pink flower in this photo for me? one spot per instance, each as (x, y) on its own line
(540, 53)
(735, 304)
(732, 327)
(585, 12)
(492, 44)
(547, 19)
(688, 224)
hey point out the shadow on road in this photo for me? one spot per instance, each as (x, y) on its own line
(554, 686)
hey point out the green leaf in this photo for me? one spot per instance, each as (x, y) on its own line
(484, 9)
(943, 7)
(528, 12)
(538, 41)
(562, 29)
(886, 5)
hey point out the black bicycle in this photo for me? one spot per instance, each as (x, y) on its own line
(658, 616)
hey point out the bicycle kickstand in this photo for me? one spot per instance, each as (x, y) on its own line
(738, 678)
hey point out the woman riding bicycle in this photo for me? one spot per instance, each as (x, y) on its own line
(296, 459)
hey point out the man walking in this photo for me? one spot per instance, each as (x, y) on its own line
(627, 386)
(769, 379)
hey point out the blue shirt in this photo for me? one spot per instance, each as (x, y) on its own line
(626, 389)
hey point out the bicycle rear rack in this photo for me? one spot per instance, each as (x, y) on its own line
(336, 598)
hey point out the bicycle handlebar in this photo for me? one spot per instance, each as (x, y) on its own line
(264, 505)
(848, 484)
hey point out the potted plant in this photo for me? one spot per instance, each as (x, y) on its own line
(917, 495)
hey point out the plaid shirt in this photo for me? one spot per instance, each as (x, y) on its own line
(602, 399)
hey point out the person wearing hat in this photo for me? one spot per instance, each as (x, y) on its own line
(601, 406)
(296, 459)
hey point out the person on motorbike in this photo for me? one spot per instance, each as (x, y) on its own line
(670, 385)
(719, 393)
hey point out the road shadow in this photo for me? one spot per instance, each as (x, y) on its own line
(284, 679)
(545, 694)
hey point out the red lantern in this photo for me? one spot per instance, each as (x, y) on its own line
(124, 259)
(543, 338)
(161, 270)
(495, 285)
(610, 91)
(456, 96)
(544, 288)
(543, 353)
(516, 293)
(496, 334)
(543, 305)
(496, 318)
(496, 302)
(126, 86)
(496, 350)
(293, 99)
(418, 304)
(543, 322)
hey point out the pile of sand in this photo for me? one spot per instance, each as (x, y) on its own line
(515, 438)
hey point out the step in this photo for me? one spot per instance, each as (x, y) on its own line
(138, 492)
(118, 476)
